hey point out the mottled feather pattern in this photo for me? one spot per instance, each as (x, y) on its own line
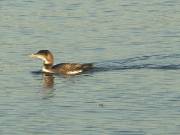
(70, 67)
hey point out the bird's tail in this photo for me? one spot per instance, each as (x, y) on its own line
(87, 66)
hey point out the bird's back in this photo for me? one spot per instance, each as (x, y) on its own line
(71, 68)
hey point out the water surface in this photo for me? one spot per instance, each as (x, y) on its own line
(134, 89)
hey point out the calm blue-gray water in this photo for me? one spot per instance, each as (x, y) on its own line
(134, 88)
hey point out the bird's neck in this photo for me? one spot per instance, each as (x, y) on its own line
(48, 60)
(47, 68)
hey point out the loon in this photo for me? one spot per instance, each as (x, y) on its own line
(63, 68)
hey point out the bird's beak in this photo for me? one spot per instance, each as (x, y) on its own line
(32, 55)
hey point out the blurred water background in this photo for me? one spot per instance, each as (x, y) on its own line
(134, 89)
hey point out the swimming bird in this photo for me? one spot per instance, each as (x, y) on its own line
(63, 68)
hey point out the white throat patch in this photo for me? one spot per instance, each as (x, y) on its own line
(42, 58)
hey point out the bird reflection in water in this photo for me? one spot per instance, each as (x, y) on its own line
(48, 85)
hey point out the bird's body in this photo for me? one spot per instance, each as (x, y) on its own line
(62, 68)
(66, 68)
